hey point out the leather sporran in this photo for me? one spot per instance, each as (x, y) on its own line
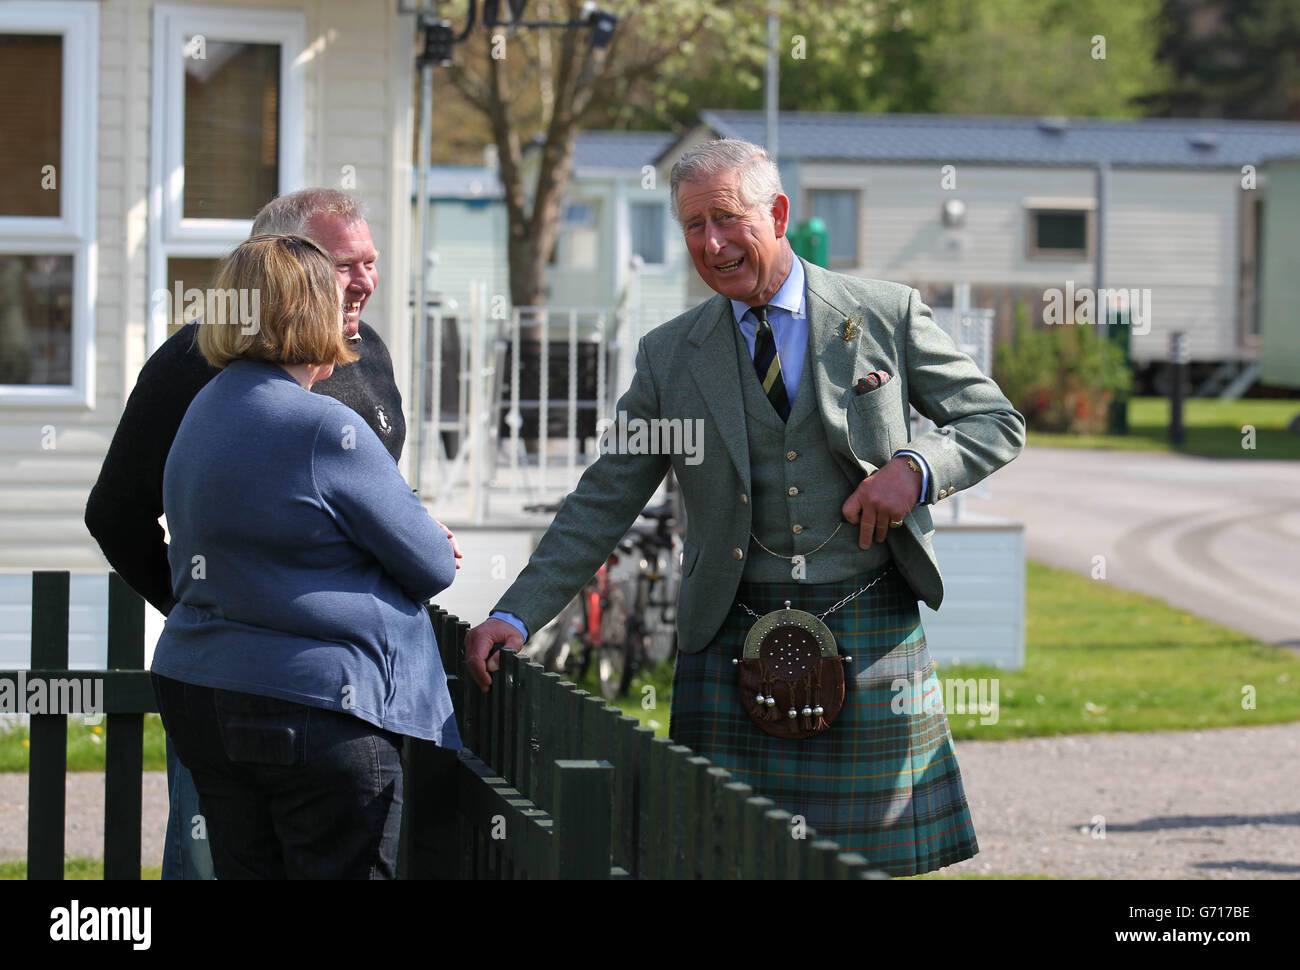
(791, 675)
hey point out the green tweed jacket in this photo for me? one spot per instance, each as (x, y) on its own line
(686, 369)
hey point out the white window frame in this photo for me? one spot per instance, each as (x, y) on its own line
(662, 205)
(171, 235)
(73, 231)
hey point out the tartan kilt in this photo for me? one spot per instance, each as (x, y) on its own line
(883, 780)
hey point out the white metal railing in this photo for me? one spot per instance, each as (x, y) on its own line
(971, 329)
(495, 370)
(489, 344)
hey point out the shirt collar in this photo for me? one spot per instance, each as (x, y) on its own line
(789, 297)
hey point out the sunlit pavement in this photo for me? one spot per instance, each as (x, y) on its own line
(1217, 538)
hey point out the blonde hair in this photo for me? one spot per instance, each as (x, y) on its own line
(277, 300)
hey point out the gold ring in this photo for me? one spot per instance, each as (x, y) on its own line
(895, 525)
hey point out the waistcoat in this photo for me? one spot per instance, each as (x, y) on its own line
(798, 490)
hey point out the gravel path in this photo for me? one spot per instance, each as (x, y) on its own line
(1222, 804)
(84, 831)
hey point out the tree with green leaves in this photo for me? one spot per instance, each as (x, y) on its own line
(1238, 59)
(1039, 57)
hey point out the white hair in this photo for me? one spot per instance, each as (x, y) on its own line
(290, 214)
(760, 181)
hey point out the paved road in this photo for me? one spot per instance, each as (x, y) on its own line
(1217, 538)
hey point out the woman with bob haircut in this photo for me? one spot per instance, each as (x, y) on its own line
(299, 653)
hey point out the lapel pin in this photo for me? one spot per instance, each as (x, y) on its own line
(849, 328)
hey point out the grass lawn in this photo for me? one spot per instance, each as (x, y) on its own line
(74, 869)
(1103, 659)
(1214, 428)
(85, 746)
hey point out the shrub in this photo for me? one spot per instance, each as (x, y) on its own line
(1061, 378)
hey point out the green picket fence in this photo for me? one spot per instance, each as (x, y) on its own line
(552, 782)
(645, 808)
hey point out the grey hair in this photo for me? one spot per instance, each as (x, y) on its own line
(760, 181)
(289, 214)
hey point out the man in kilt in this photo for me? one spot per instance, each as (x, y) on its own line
(810, 490)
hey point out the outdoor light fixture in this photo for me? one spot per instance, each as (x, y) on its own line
(602, 24)
(954, 214)
(439, 41)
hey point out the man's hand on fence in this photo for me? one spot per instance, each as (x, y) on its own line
(480, 658)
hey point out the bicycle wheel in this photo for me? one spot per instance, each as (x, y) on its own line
(632, 662)
(615, 669)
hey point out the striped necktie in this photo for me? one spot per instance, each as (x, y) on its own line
(768, 364)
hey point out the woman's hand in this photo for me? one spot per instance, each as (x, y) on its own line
(452, 537)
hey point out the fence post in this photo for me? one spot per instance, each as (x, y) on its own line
(734, 796)
(643, 740)
(780, 859)
(46, 779)
(682, 795)
(124, 739)
(655, 797)
(716, 866)
(756, 839)
(821, 864)
(699, 852)
(582, 809)
(624, 745)
(851, 865)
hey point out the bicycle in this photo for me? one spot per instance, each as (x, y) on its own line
(598, 624)
(652, 636)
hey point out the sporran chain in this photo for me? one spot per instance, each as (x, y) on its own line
(846, 600)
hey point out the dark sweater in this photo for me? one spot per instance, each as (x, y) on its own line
(125, 504)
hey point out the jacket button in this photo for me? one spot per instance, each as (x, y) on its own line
(797, 529)
(792, 491)
(738, 553)
(791, 455)
(744, 499)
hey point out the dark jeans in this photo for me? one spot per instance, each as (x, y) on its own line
(185, 850)
(287, 791)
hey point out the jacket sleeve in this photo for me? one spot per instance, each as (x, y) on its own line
(126, 501)
(593, 517)
(978, 431)
(359, 484)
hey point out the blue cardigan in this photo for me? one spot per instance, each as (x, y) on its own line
(300, 558)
